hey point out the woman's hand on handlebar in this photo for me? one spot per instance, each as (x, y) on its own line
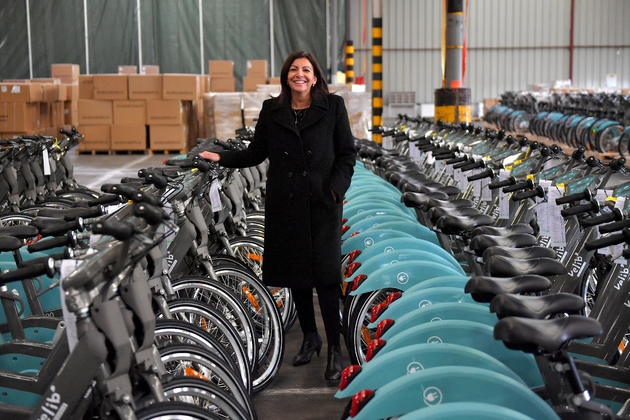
(211, 156)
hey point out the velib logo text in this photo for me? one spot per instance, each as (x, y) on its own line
(52, 407)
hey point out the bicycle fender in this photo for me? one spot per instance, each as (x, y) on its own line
(473, 335)
(411, 359)
(364, 240)
(403, 275)
(465, 410)
(365, 224)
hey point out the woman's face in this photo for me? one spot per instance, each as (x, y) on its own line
(301, 76)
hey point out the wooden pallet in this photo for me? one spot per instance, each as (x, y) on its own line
(93, 152)
(128, 152)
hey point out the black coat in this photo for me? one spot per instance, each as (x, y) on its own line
(302, 219)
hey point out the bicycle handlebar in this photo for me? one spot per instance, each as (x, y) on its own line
(488, 173)
(536, 192)
(35, 270)
(498, 184)
(63, 228)
(104, 199)
(457, 160)
(614, 216)
(584, 195)
(609, 240)
(615, 226)
(592, 205)
(519, 186)
(69, 239)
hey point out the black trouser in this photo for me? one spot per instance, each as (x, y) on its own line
(329, 306)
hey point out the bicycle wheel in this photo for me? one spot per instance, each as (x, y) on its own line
(173, 410)
(185, 361)
(208, 396)
(250, 251)
(172, 331)
(210, 320)
(222, 298)
(359, 336)
(265, 315)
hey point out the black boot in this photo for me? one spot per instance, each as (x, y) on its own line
(312, 343)
(335, 364)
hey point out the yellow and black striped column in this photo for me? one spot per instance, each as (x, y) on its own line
(452, 101)
(349, 62)
(377, 68)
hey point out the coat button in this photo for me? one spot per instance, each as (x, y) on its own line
(304, 173)
(308, 152)
(290, 174)
(291, 195)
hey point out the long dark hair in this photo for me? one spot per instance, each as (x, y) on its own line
(320, 88)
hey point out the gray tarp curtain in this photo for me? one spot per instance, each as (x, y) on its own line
(232, 29)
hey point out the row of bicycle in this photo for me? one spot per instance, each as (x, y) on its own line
(140, 301)
(474, 284)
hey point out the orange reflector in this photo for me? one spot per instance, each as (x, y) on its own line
(254, 257)
(193, 373)
(251, 298)
(366, 334)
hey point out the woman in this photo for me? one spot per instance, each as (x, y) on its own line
(306, 136)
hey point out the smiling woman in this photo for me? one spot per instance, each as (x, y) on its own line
(305, 134)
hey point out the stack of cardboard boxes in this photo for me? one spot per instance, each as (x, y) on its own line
(137, 111)
(221, 76)
(256, 75)
(39, 106)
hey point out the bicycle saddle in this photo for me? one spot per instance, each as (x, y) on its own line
(503, 231)
(449, 204)
(536, 307)
(19, 231)
(520, 253)
(451, 225)
(10, 243)
(501, 266)
(416, 199)
(429, 188)
(485, 288)
(70, 214)
(436, 212)
(549, 335)
(480, 243)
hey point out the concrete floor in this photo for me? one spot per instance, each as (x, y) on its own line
(297, 393)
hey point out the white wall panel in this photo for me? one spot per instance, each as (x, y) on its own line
(512, 44)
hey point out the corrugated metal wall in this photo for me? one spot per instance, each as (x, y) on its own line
(512, 44)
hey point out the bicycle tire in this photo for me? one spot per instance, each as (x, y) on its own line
(169, 331)
(358, 335)
(193, 361)
(266, 318)
(210, 320)
(221, 297)
(208, 396)
(174, 410)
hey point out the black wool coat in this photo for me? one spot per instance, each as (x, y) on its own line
(306, 164)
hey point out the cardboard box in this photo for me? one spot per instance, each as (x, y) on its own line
(95, 137)
(257, 68)
(127, 69)
(86, 87)
(145, 86)
(204, 84)
(180, 86)
(95, 112)
(57, 114)
(71, 113)
(44, 115)
(250, 83)
(18, 116)
(168, 137)
(52, 90)
(20, 92)
(66, 73)
(273, 81)
(221, 68)
(129, 113)
(165, 112)
(72, 91)
(129, 137)
(110, 86)
(222, 84)
(150, 69)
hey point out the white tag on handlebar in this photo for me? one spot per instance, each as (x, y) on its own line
(557, 230)
(215, 198)
(70, 320)
(45, 161)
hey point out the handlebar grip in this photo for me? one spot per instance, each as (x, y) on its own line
(536, 192)
(609, 240)
(614, 215)
(592, 205)
(498, 184)
(63, 228)
(35, 270)
(159, 181)
(444, 156)
(388, 133)
(462, 164)
(201, 164)
(615, 226)
(68, 133)
(50, 243)
(626, 253)
(143, 197)
(519, 186)
(118, 229)
(152, 214)
(223, 144)
(104, 199)
(488, 173)
(125, 190)
(474, 165)
(457, 160)
(584, 195)
(617, 164)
